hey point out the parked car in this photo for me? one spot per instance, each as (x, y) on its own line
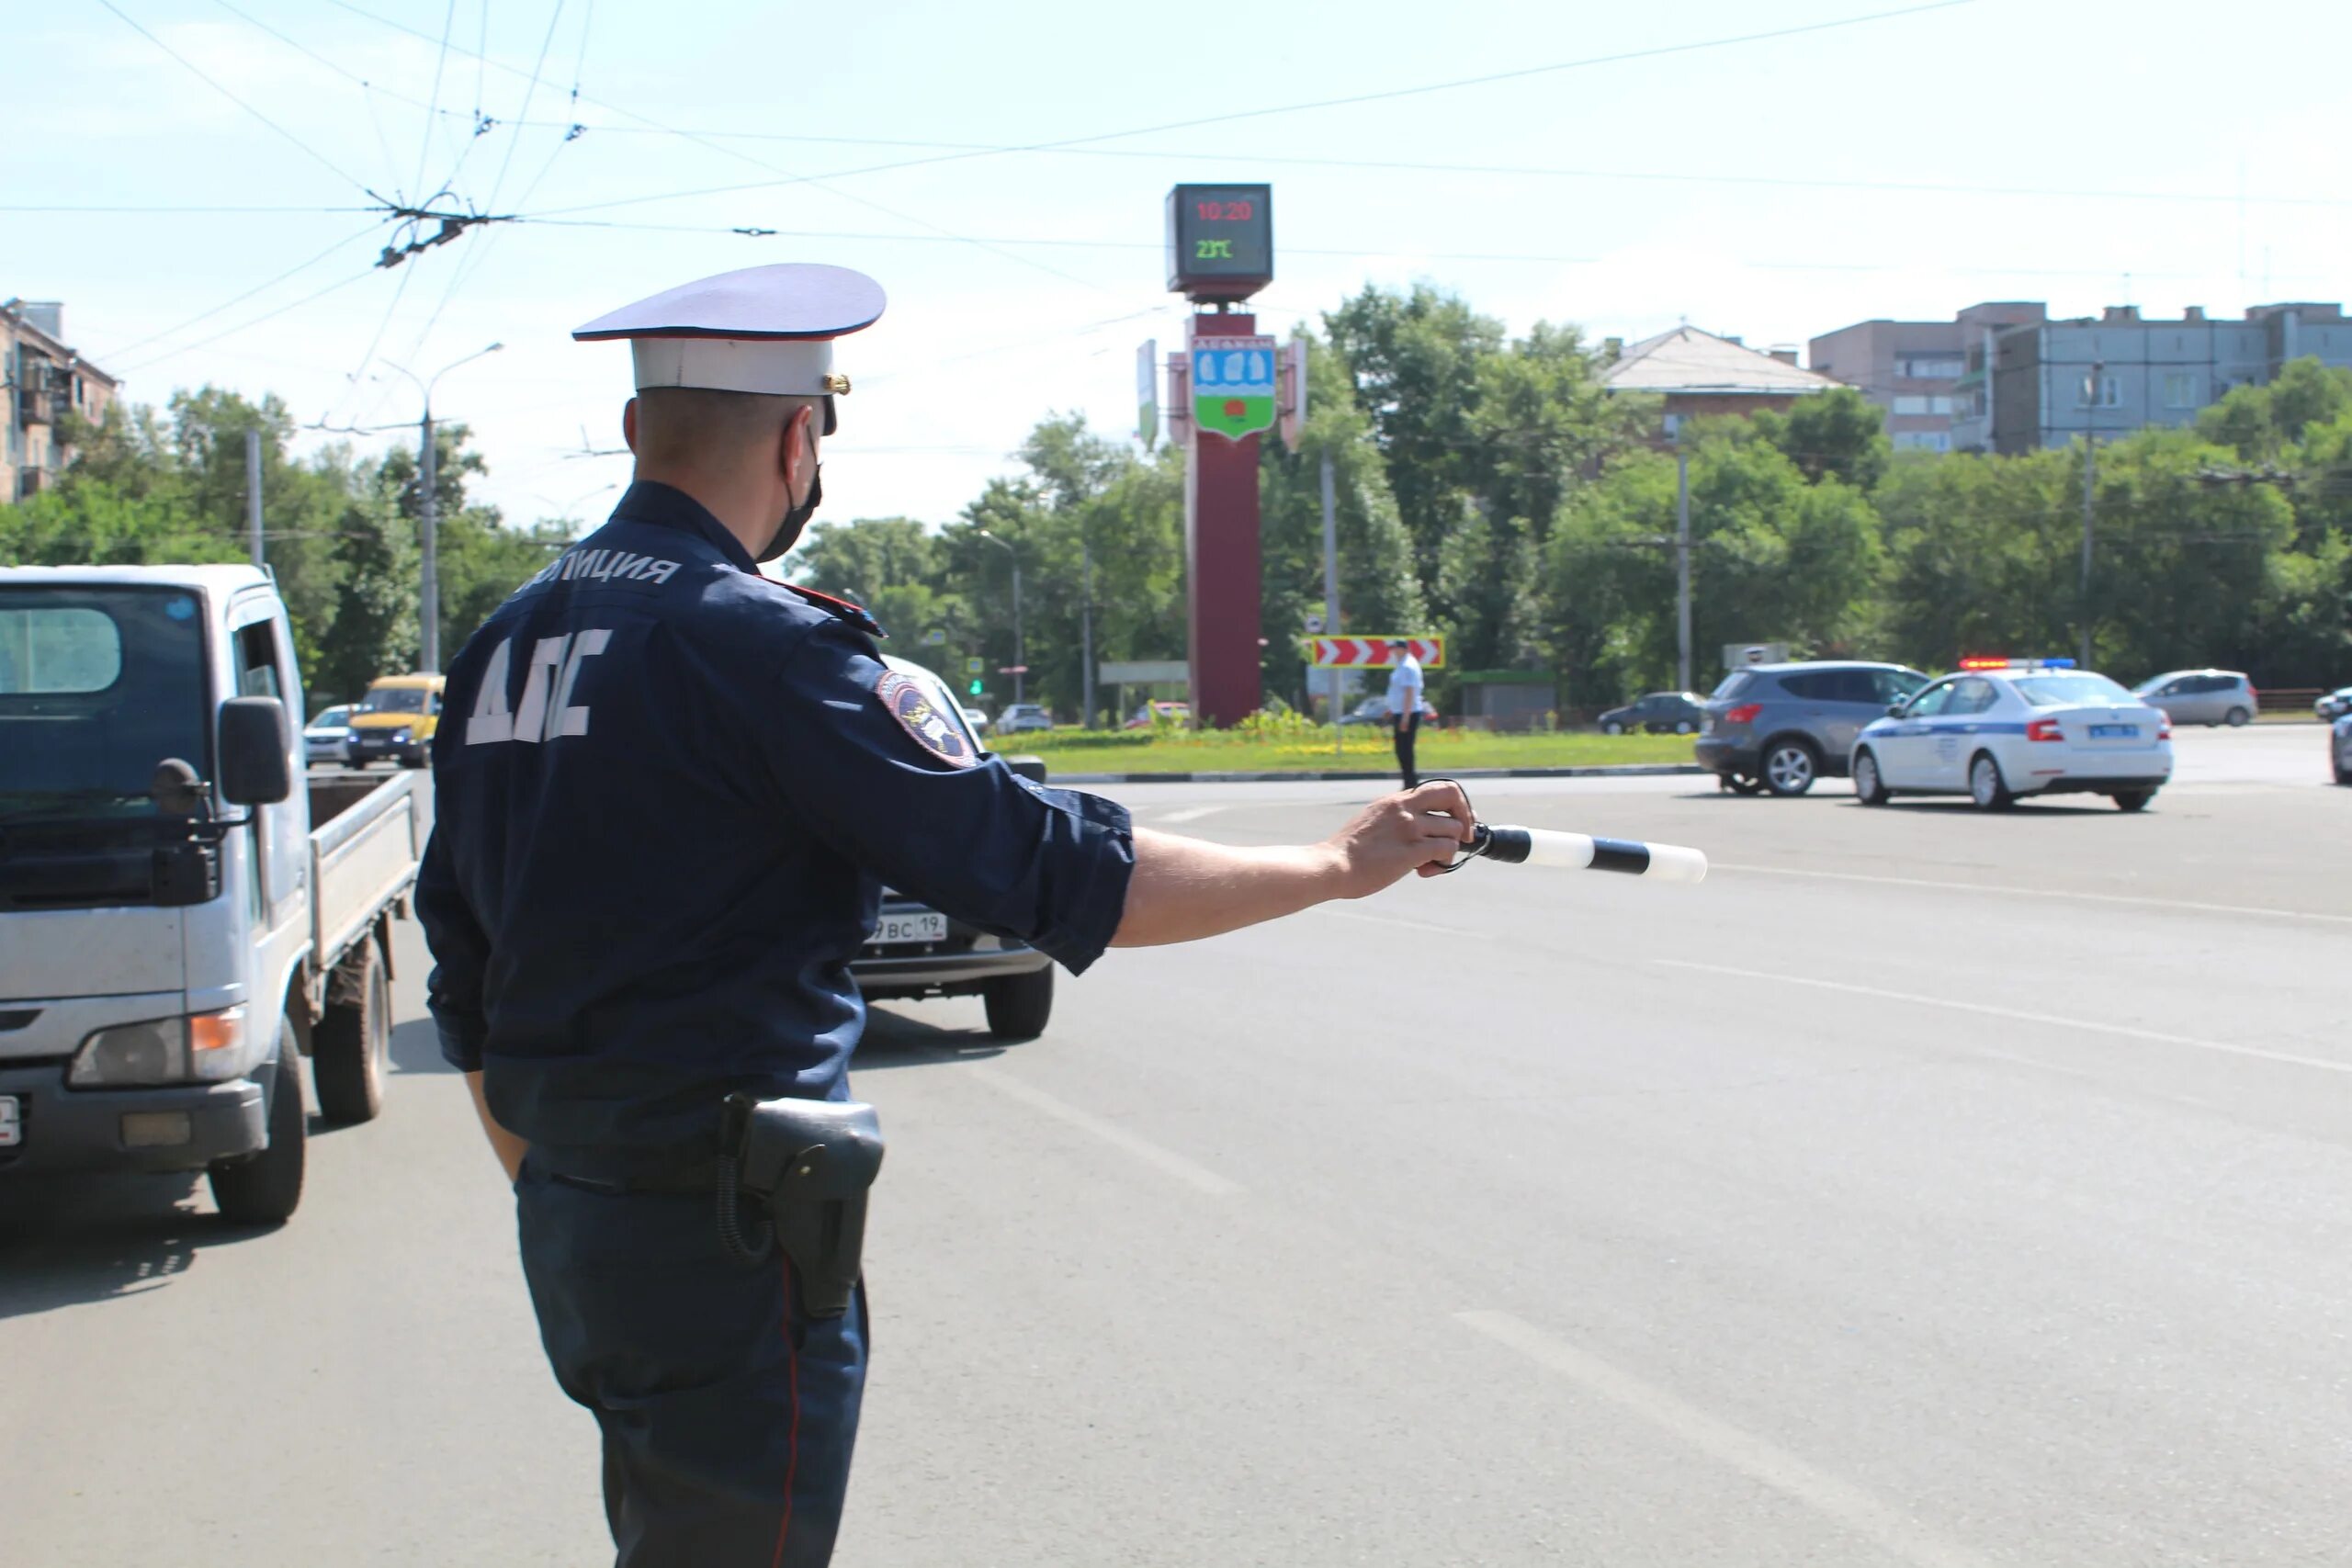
(917, 951)
(1781, 727)
(2334, 704)
(2201, 696)
(976, 719)
(325, 738)
(1372, 710)
(1021, 716)
(1660, 713)
(395, 721)
(2340, 747)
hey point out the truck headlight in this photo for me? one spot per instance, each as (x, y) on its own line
(128, 1054)
(162, 1050)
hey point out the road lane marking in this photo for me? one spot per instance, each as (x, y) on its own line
(2015, 892)
(2123, 1031)
(1191, 814)
(1753, 1457)
(1167, 1161)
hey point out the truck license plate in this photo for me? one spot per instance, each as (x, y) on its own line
(898, 929)
(12, 1127)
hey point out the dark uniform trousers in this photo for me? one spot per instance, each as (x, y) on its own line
(728, 1413)
(1408, 726)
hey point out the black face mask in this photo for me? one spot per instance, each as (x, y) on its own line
(788, 533)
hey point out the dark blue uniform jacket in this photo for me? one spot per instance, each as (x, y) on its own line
(668, 792)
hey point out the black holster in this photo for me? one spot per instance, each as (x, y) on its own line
(811, 1162)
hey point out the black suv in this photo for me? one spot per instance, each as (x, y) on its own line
(1781, 727)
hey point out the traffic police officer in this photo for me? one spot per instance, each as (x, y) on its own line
(669, 789)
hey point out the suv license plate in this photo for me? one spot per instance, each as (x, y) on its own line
(12, 1127)
(898, 929)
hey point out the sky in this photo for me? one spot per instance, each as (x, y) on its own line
(1676, 166)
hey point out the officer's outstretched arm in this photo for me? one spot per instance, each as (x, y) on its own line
(1183, 889)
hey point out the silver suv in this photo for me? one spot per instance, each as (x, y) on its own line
(2201, 696)
(1781, 727)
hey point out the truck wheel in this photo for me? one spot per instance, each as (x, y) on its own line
(352, 1045)
(1019, 1005)
(263, 1189)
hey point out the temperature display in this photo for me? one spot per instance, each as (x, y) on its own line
(1220, 240)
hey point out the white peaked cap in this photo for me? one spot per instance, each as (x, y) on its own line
(762, 329)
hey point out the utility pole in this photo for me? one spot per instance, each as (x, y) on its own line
(428, 468)
(1332, 600)
(1020, 653)
(1682, 562)
(429, 596)
(1086, 633)
(253, 491)
(2090, 484)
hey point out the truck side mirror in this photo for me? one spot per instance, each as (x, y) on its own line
(252, 751)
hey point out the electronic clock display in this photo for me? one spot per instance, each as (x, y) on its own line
(1220, 239)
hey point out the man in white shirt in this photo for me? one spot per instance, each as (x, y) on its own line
(1404, 705)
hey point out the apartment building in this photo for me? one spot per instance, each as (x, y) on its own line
(1914, 370)
(2055, 382)
(42, 380)
(2004, 377)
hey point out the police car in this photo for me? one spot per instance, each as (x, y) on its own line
(917, 951)
(2004, 729)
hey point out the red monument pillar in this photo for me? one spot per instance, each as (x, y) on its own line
(1221, 567)
(1220, 251)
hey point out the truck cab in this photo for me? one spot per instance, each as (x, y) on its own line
(175, 931)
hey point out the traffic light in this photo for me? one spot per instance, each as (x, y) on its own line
(976, 688)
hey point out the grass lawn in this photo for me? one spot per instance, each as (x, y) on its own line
(1441, 751)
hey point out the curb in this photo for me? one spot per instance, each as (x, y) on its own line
(1609, 771)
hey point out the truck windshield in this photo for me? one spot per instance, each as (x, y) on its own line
(97, 686)
(393, 699)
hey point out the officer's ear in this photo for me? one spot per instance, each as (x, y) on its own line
(629, 425)
(800, 456)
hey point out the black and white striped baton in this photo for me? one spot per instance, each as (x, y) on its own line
(1581, 852)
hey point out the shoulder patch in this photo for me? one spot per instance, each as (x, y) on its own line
(840, 609)
(920, 717)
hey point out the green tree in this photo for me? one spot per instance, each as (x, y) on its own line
(1835, 434)
(1414, 361)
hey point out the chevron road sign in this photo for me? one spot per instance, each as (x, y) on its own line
(1370, 652)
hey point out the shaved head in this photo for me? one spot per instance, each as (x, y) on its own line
(689, 427)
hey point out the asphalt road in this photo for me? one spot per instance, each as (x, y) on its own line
(1930, 1187)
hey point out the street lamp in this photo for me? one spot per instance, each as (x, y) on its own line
(429, 605)
(1020, 657)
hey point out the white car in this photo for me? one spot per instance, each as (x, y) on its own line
(2000, 730)
(325, 737)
